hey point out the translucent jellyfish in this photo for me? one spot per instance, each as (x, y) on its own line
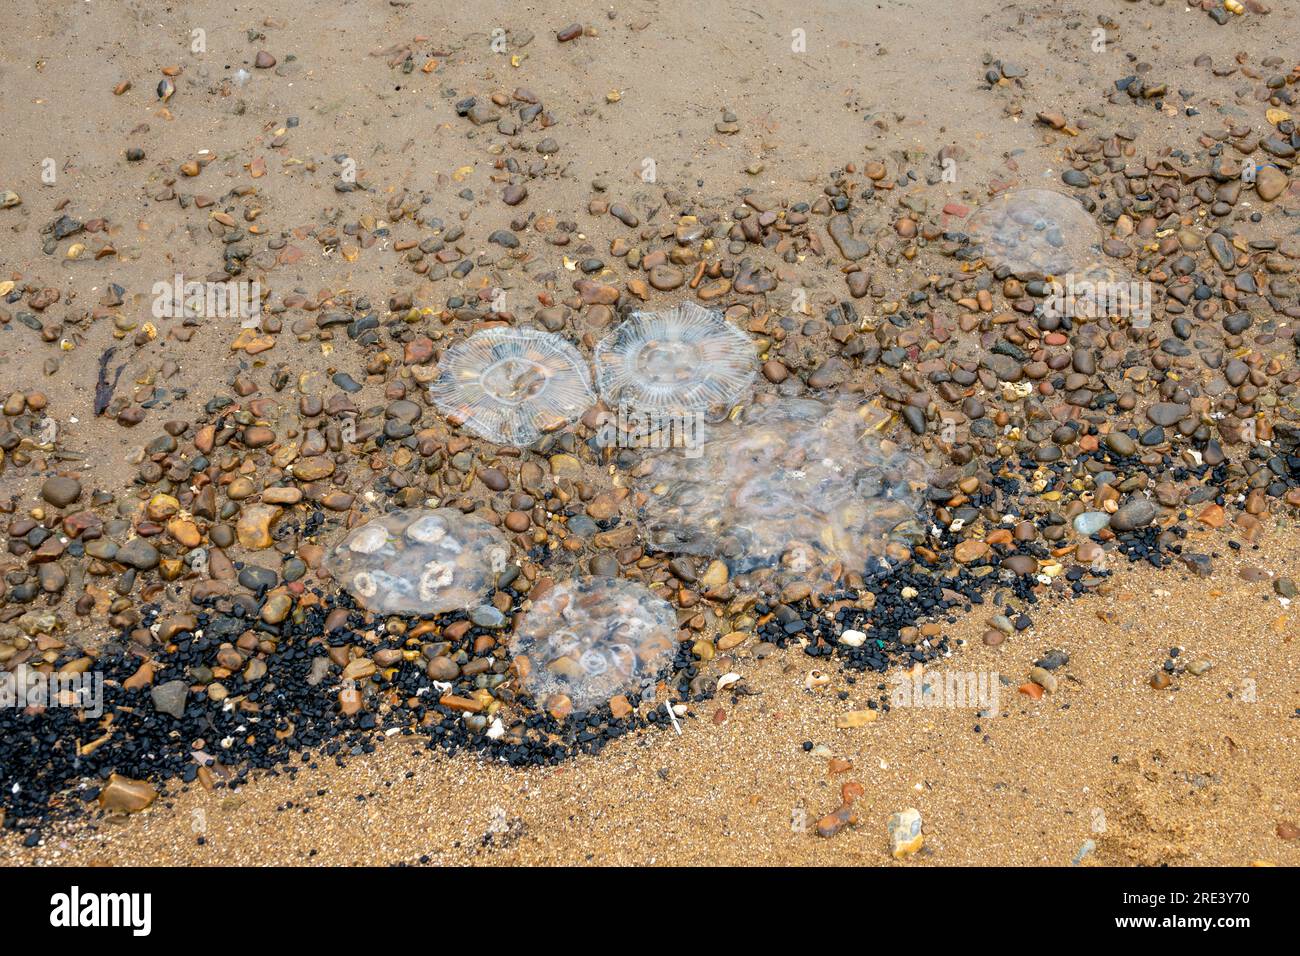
(510, 385)
(1034, 232)
(592, 638)
(796, 490)
(420, 561)
(687, 358)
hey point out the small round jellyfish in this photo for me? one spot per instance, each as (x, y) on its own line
(511, 385)
(1033, 232)
(420, 561)
(686, 358)
(592, 638)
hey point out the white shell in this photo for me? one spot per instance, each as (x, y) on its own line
(726, 680)
(853, 638)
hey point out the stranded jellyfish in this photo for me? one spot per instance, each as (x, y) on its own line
(420, 561)
(682, 359)
(592, 638)
(796, 490)
(1034, 232)
(510, 385)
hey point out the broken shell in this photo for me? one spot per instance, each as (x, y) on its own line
(816, 678)
(726, 680)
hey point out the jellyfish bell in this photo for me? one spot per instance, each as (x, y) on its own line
(1034, 232)
(432, 561)
(512, 385)
(592, 638)
(683, 359)
(797, 491)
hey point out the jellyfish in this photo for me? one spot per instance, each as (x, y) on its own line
(592, 638)
(1033, 232)
(420, 561)
(682, 359)
(511, 385)
(798, 489)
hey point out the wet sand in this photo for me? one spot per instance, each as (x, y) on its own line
(1202, 772)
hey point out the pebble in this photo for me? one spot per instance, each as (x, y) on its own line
(905, 836)
(170, 697)
(254, 526)
(124, 795)
(139, 554)
(1270, 182)
(60, 491)
(1091, 522)
(1135, 513)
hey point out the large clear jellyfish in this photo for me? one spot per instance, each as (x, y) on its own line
(1034, 232)
(592, 638)
(682, 359)
(797, 490)
(420, 561)
(511, 385)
